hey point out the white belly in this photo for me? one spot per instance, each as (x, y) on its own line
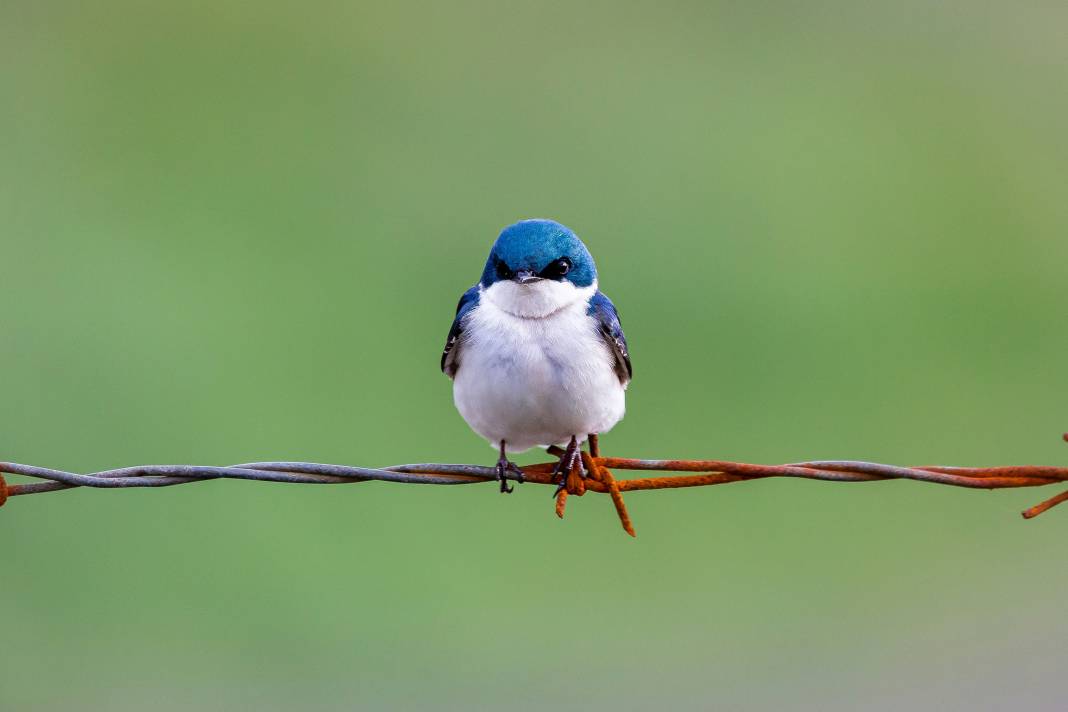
(536, 381)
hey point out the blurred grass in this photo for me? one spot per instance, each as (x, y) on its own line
(237, 231)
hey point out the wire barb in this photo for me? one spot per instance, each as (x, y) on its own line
(599, 477)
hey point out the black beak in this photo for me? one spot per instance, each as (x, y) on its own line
(526, 276)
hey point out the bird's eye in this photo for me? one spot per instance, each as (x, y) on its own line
(557, 268)
(502, 270)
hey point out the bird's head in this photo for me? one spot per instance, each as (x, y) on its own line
(536, 268)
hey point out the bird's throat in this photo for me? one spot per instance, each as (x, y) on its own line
(537, 300)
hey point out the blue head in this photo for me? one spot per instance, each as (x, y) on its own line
(534, 250)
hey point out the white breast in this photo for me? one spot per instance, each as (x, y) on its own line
(536, 380)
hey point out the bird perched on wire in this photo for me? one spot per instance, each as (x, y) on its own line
(536, 351)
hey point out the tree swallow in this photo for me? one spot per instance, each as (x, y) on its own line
(536, 352)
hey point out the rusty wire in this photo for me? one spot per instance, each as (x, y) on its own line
(598, 477)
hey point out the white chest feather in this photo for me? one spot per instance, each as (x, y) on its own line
(536, 380)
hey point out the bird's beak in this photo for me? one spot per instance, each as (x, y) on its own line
(526, 276)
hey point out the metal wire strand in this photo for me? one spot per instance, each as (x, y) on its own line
(597, 476)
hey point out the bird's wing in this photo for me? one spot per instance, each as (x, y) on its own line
(450, 360)
(604, 312)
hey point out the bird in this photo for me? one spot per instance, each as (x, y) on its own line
(536, 351)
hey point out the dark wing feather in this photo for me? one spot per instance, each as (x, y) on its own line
(602, 309)
(450, 360)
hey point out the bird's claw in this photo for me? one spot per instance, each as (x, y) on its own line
(504, 467)
(571, 456)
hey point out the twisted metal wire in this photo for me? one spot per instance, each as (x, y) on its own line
(594, 474)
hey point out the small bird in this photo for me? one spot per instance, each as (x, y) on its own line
(536, 352)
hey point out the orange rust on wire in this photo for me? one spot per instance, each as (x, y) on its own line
(561, 502)
(1031, 473)
(1032, 512)
(650, 483)
(980, 477)
(605, 475)
(602, 474)
(3, 490)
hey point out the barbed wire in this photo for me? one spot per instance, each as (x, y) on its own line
(594, 475)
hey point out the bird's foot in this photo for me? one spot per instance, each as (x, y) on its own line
(504, 467)
(571, 457)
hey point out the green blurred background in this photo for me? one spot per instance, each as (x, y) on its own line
(235, 231)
